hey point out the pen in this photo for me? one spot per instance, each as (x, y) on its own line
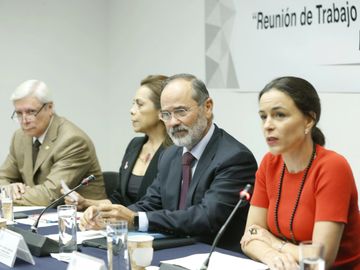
(97, 218)
(67, 189)
(50, 221)
(92, 243)
(43, 219)
(97, 214)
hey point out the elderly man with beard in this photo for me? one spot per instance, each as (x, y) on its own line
(221, 167)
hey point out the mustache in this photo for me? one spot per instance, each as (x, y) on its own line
(179, 128)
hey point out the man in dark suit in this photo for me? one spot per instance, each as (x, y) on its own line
(221, 168)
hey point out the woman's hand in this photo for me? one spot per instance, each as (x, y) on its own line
(259, 233)
(273, 257)
(280, 261)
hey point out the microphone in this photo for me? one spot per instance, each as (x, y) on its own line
(244, 197)
(83, 183)
(40, 245)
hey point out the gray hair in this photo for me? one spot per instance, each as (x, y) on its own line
(200, 92)
(35, 88)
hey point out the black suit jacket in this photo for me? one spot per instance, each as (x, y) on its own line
(131, 154)
(223, 170)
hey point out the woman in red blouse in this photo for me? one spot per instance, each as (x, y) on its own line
(303, 191)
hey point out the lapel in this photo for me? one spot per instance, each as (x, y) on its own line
(28, 162)
(128, 165)
(173, 188)
(150, 173)
(203, 164)
(48, 143)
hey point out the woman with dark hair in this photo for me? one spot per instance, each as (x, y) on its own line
(139, 165)
(303, 191)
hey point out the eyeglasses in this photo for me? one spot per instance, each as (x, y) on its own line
(177, 113)
(29, 114)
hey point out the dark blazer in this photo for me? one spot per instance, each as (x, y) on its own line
(131, 154)
(224, 168)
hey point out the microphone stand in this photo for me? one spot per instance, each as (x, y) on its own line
(244, 197)
(83, 182)
(38, 244)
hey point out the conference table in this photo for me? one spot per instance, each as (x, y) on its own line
(159, 255)
(48, 262)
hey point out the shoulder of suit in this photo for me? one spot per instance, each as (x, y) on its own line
(136, 141)
(66, 127)
(171, 150)
(226, 144)
(20, 136)
(59, 120)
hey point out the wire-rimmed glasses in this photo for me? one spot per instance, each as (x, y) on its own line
(29, 114)
(177, 113)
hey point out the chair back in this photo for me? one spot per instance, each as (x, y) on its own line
(111, 181)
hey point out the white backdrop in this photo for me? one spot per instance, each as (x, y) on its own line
(317, 40)
(65, 44)
(93, 54)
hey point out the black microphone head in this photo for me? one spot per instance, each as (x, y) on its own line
(87, 180)
(245, 194)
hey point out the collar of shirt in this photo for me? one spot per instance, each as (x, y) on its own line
(42, 137)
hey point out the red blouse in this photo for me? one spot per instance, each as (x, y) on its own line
(329, 194)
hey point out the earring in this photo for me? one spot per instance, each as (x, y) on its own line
(306, 131)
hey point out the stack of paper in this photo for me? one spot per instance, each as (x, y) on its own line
(217, 261)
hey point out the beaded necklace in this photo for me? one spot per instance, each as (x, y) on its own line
(297, 199)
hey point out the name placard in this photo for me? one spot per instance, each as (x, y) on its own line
(83, 261)
(12, 245)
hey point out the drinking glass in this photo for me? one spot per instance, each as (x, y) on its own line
(67, 230)
(7, 203)
(117, 253)
(311, 256)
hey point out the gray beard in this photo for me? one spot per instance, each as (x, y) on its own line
(194, 135)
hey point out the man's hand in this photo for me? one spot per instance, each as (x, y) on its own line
(80, 202)
(91, 219)
(17, 190)
(96, 217)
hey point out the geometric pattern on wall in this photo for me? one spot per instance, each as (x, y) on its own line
(219, 65)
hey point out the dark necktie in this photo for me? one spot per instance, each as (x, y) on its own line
(35, 150)
(187, 159)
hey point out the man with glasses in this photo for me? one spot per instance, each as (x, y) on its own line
(45, 150)
(199, 178)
